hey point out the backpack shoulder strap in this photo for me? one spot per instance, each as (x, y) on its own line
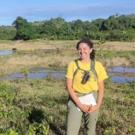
(78, 68)
(92, 68)
(77, 65)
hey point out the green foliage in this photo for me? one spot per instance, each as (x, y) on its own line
(25, 30)
(36, 107)
(40, 129)
(25, 72)
(110, 131)
(22, 114)
(11, 116)
(117, 110)
(11, 132)
(7, 33)
(120, 28)
(131, 129)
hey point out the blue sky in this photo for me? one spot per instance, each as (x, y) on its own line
(38, 10)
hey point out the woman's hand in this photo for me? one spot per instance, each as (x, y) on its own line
(94, 108)
(85, 108)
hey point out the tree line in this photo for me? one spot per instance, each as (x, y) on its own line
(116, 27)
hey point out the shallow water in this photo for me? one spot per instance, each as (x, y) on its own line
(36, 75)
(122, 69)
(5, 52)
(41, 73)
(124, 73)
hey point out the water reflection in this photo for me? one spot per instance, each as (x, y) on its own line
(41, 73)
(124, 73)
(5, 52)
(36, 75)
(122, 70)
(48, 74)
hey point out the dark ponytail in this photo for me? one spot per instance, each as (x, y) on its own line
(90, 44)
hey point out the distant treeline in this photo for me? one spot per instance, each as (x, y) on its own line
(116, 27)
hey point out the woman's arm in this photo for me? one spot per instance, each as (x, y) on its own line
(99, 96)
(100, 93)
(72, 94)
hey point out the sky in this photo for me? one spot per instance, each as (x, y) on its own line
(40, 10)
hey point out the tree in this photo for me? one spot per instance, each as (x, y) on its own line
(23, 29)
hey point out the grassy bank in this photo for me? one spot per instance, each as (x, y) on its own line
(57, 54)
(38, 107)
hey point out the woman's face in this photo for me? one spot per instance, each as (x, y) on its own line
(84, 51)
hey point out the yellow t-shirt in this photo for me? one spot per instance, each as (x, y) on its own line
(92, 83)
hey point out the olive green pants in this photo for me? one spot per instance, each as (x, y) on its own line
(74, 120)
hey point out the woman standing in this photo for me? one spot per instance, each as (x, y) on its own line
(85, 85)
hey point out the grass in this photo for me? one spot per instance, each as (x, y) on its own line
(39, 106)
(57, 54)
(43, 102)
(118, 108)
(36, 44)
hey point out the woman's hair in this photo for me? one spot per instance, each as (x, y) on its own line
(90, 44)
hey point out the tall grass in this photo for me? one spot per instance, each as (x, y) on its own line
(59, 58)
(39, 107)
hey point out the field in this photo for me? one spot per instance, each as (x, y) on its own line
(57, 54)
(38, 107)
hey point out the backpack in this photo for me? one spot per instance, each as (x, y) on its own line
(86, 72)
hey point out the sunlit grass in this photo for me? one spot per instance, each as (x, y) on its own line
(49, 97)
(57, 54)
